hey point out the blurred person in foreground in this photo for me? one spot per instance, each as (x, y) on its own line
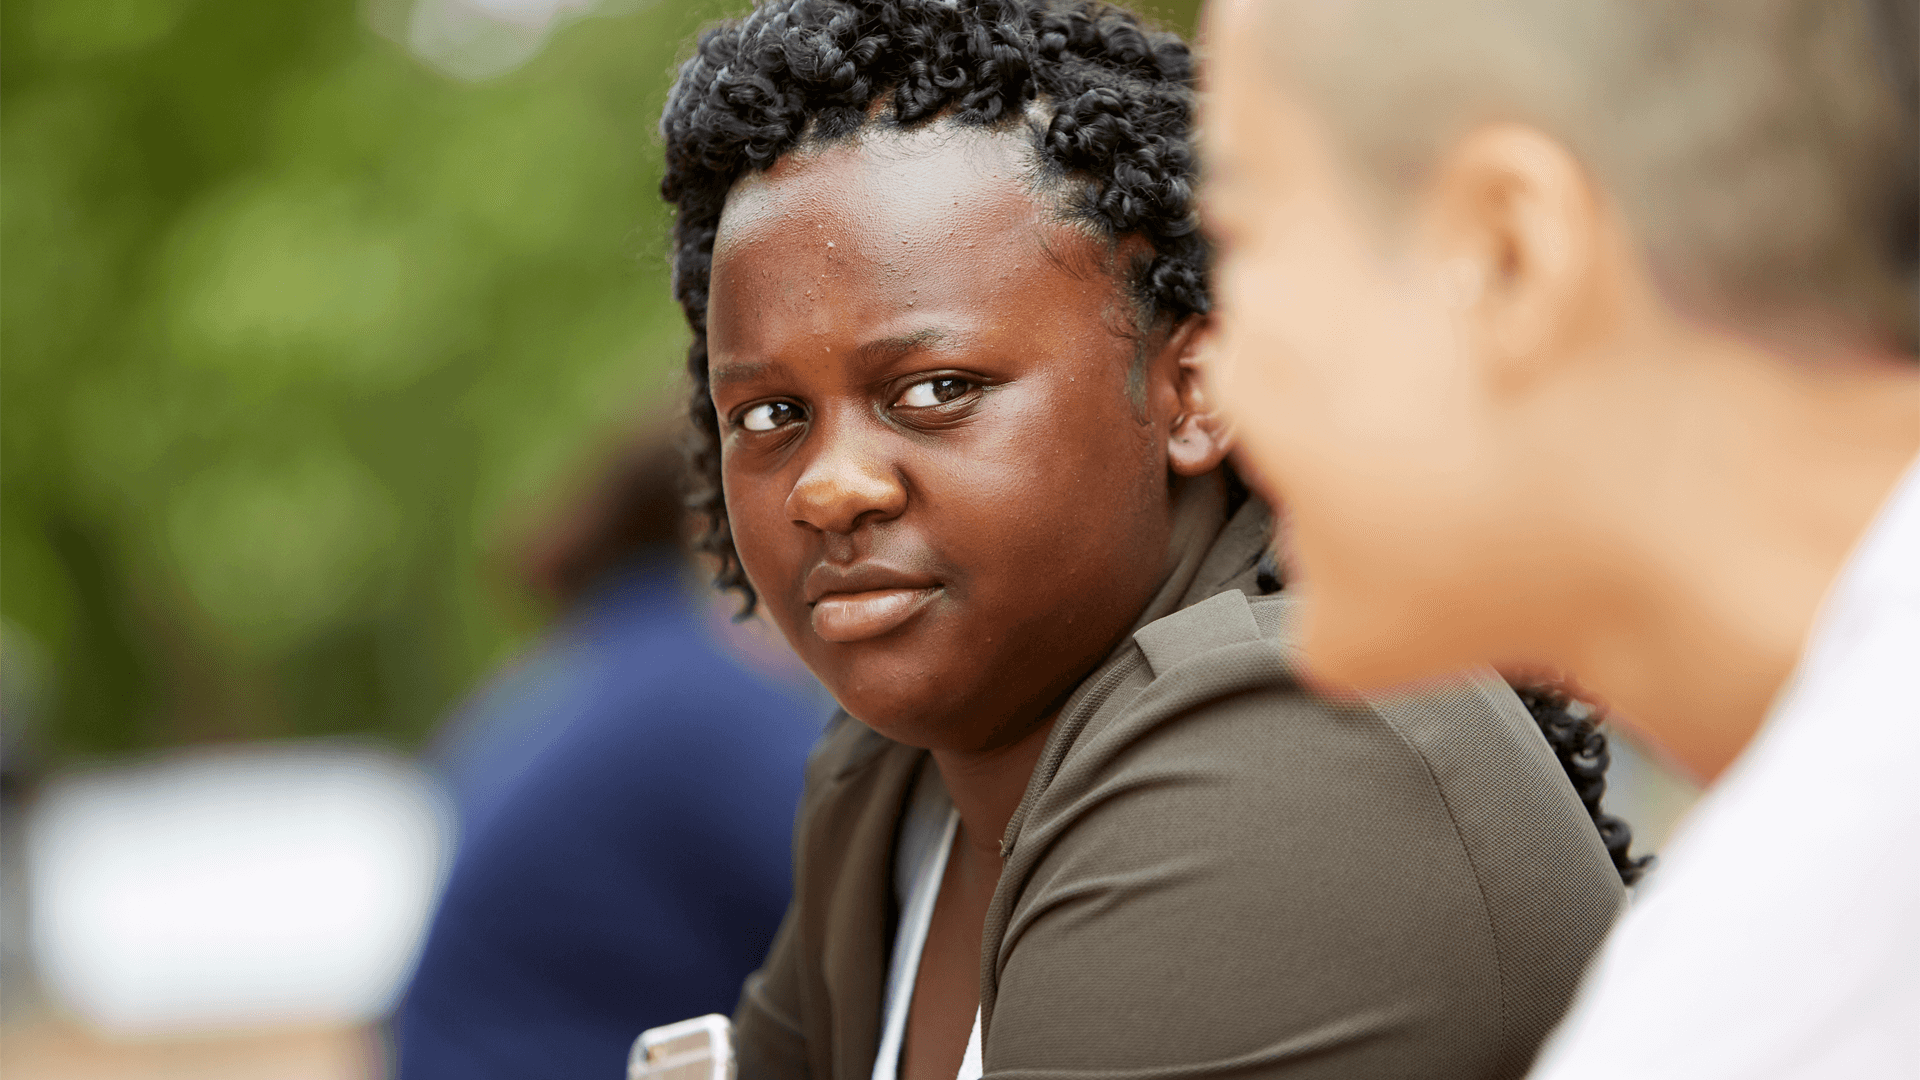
(626, 793)
(1078, 816)
(1581, 335)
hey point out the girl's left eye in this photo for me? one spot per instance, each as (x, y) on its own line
(931, 392)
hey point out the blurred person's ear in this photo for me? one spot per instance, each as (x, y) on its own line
(1520, 232)
(1197, 436)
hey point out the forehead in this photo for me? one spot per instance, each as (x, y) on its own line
(965, 189)
(894, 235)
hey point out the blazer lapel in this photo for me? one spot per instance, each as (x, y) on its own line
(851, 877)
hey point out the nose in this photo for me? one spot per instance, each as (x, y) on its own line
(847, 483)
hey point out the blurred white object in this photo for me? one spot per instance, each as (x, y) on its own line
(265, 885)
(696, 1049)
(482, 39)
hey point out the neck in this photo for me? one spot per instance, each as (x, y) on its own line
(1750, 481)
(986, 786)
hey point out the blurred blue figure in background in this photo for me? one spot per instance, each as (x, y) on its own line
(626, 795)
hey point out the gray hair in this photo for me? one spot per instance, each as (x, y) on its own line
(1763, 151)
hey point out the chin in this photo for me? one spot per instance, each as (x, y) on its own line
(909, 722)
(891, 694)
(918, 709)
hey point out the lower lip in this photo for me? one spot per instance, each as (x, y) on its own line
(858, 616)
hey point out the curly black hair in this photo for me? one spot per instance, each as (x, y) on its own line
(1108, 103)
(1572, 729)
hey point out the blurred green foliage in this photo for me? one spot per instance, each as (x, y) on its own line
(290, 324)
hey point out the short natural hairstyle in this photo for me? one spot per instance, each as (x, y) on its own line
(1763, 151)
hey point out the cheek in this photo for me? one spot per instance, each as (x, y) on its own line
(1349, 393)
(1326, 353)
(1047, 495)
(762, 537)
(1296, 361)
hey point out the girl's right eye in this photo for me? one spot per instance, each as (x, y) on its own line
(771, 415)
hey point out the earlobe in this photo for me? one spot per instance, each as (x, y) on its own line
(1198, 438)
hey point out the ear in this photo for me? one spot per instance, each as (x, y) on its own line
(1197, 437)
(1519, 226)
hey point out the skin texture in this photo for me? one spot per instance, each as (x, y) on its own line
(1499, 441)
(936, 477)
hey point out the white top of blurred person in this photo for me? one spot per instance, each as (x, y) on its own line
(1577, 334)
(1794, 884)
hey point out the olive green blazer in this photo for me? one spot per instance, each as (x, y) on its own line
(1216, 873)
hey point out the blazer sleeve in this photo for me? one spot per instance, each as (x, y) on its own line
(1269, 885)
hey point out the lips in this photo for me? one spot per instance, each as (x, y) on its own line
(846, 617)
(865, 601)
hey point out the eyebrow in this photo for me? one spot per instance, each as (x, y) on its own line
(879, 349)
(889, 348)
(736, 373)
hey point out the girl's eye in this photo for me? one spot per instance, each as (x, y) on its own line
(769, 416)
(925, 395)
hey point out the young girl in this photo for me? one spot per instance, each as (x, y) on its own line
(1079, 817)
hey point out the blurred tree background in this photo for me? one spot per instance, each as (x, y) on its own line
(295, 326)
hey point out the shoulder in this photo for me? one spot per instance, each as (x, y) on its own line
(1421, 855)
(1217, 690)
(1718, 933)
(1466, 743)
(1231, 663)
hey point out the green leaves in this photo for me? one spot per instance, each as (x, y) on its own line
(293, 331)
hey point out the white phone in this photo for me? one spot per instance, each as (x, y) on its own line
(696, 1049)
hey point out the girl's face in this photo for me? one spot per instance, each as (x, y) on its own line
(935, 476)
